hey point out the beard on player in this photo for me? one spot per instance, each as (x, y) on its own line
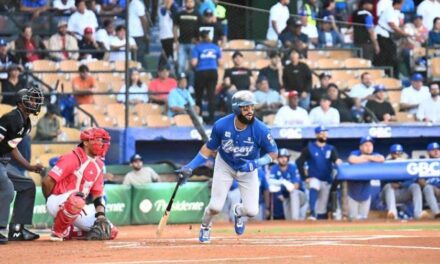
(283, 161)
(247, 118)
(322, 137)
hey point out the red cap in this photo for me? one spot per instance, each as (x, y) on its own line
(88, 30)
(292, 94)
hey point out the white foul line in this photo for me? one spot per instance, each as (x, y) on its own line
(388, 246)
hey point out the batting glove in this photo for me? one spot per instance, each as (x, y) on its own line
(248, 166)
(184, 173)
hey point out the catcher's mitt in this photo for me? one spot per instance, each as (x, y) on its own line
(101, 230)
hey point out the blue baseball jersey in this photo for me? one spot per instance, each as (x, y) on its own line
(434, 181)
(207, 55)
(319, 160)
(264, 185)
(359, 190)
(237, 147)
(291, 174)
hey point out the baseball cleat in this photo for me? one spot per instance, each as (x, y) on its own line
(205, 234)
(3, 239)
(56, 238)
(239, 224)
(19, 233)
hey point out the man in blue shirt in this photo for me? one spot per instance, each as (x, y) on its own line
(431, 186)
(286, 175)
(34, 7)
(179, 97)
(359, 192)
(321, 158)
(238, 139)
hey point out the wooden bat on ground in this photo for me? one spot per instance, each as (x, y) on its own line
(163, 221)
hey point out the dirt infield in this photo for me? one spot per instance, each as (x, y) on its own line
(269, 242)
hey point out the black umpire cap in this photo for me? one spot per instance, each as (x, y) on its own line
(135, 157)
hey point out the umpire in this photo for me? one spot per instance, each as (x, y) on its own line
(13, 127)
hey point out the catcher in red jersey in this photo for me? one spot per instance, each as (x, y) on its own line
(75, 176)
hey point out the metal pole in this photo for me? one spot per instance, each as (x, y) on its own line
(127, 50)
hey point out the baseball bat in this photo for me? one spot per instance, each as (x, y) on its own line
(163, 221)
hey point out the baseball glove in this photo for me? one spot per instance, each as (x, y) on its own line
(101, 230)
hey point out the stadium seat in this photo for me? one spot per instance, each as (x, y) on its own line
(105, 121)
(147, 109)
(183, 121)
(65, 86)
(404, 117)
(329, 63)
(4, 108)
(44, 65)
(158, 121)
(51, 79)
(60, 148)
(135, 121)
(315, 55)
(253, 56)
(375, 73)
(340, 54)
(99, 66)
(389, 83)
(69, 65)
(240, 44)
(44, 159)
(120, 65)
(261, 63)
(104, 99)
(71, 133)
(434, 69)
(394, 99)
(352, 82)
(309, 62)
(357, 63)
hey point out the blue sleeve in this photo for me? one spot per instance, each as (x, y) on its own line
(195, 53)
(272, 173)
(267, 142)
(369, 22)
(219, 53)
(172, 99)
(355, 153)
(263, 181)
(214, 140)
(295, 174)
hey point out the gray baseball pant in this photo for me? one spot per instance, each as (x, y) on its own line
(293, 205)
(393, 196)
(432, 198)
(358, 210)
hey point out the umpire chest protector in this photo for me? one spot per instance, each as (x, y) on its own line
(360, 33)
(13, 127)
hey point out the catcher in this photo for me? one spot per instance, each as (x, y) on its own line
(67, 185)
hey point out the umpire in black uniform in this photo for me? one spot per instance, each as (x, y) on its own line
(13, 127)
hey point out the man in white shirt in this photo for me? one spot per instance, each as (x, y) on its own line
(81, 19)
(104, 34)
(310, 30)
(140, 175)
(429, 110)
(383, 5)
(412, 96)
(323, 114)
(279, 13)
(64, 6)
(429, 9)
(363, 90)
(139, 27)
(117, 45)
(291, 114)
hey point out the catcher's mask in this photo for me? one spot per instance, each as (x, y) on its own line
(98, 138)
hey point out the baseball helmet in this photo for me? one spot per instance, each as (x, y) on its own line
(396, 148)
(32, 99)
(283, 152)
(94, 135)
(242, 98)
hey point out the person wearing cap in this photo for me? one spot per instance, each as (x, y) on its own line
(209, 23)
(117, 45)
(321, 158)
(328, 10)
(285, 175)
(401, 191)
(83, 86)
(364, 36)
(179, 97)
(140, 175)
(381, 108)
(26, 44)
(273, 71)
(321, 88)
(12, 85)
(268, 100)
(359, 192)
(429, 10)
(338, 103)
(278, 16)
(413, 95)
(6, 59)
(429, 110)
(136, 90)
(291, 115)
(161, 86)
(49, 127)
(292, 37)
(431, 186)
(309, 30)
(328, 37)
(63, 41)
(324, 114)
(81, 19)
(206, 5)
(89, 47)
(434, 34)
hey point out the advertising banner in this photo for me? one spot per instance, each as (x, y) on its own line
(118, 207)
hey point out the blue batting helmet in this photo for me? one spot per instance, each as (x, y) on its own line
(396, 148)
(242, 98)
(283, 152)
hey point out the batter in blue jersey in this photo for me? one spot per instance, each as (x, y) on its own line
(239, 139)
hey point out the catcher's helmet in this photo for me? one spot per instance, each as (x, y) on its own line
(93, 135)
(242, 98)
(32, 99)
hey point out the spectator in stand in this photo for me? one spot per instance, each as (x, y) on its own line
(327, 36)
(291, 114)
(26, 44)
(292, 37)
(364, 36)
(186, 31)
(139, 28)
(310, 8)
(6, 59)
(317, 92)
(364, 90)
(12, 85)
(48, 127)
(321, 158)
(179, 97)
(401, 191)
(328, 11)
(166, 13)
(412, 96)
(338, 103)
(140, 175)
(429, 110)
(357, 111)
(162, 85)
(66, 7)
(136, 90)
(298, 76)
(104, 35)
(34, 7)
(117, 45)
(238, 77)
(268, 100)
(81, 19)
(429, 10)
(434, 34)
(63, 41)
(381, 108)
(324, 114)
(83, 86)
(206, 58)
(431, 186)
(420, 36)
(112, 7)
(309, 30)
(87, 45)
(359, 192)
(383, 5)
(279, 14)
(206, 5)
(273, 72)
(210, 24)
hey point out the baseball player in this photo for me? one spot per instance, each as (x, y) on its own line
(431, 186)
(401, 191)
(75, 176)
(321, 158)
(238, 138)
(13, 127)
(286, 175)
